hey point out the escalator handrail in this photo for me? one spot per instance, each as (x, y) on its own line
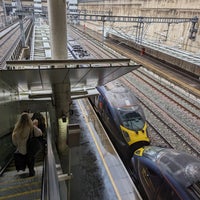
(50, 186)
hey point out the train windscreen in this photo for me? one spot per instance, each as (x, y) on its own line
(131, 120)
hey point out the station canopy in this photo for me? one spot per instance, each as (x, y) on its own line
(38, 77)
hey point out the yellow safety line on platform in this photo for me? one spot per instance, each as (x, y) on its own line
(100, 153)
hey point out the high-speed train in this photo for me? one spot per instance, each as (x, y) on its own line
(123, 117)
(164, 174)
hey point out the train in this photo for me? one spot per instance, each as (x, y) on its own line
(159, 172)
(164, 173)
(123, 117)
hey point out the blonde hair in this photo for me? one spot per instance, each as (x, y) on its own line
(23, 125)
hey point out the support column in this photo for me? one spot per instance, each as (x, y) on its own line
(58, 28)
(62, 100)
(61, 91)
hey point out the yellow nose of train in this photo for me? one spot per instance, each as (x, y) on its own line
(132, 137)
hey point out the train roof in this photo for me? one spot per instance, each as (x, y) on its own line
(183, 167)
(119, 96)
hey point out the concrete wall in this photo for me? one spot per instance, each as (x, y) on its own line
(9, 108)
(178, 33)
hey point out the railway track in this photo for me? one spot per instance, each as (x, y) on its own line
(94, 47)
(10, 39)
(177, 114)
(183, 80)
(172, 130)
(6, 44)
(187, 111)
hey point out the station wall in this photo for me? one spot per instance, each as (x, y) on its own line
(9, 109)
(177, 33)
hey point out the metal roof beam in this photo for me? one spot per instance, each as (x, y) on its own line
(89, 62)
(139, 19)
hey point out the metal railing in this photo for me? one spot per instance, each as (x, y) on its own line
(50, 186)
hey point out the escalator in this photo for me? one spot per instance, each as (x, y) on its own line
(45, 185)
(18, 185)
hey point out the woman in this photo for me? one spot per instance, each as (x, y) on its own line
(21, 133)
(41, 121)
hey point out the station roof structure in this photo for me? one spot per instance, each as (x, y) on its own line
(82, 75)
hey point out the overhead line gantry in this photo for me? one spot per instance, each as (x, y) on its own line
(140, 20)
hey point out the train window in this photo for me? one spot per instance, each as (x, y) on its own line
(132, 120)
(150, 180)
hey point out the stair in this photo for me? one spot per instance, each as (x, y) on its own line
(19, 186)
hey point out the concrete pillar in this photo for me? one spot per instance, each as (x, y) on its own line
(58, 28)
(62, 100)
(61, 91)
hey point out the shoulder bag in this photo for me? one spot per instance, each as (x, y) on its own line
(33, 145)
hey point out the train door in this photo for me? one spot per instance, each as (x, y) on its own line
(113, 126)
(106, 113)
(98, 103)
(101, 105)
(107, 117)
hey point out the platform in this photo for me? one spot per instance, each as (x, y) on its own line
(97, 170)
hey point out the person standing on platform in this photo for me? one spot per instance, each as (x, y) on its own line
(21, 133)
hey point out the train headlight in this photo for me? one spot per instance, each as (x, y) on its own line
(126, 136)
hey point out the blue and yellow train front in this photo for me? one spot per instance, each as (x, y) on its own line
(135, 136)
